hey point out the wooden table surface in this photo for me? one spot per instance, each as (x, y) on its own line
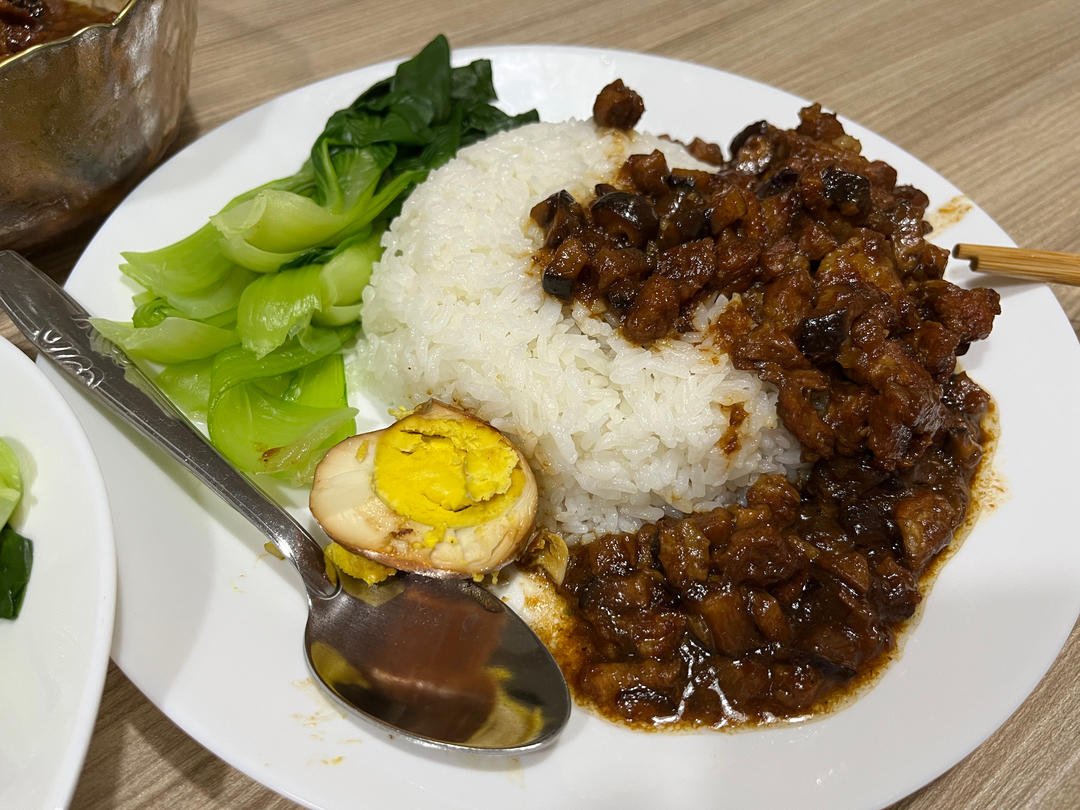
(987, 93)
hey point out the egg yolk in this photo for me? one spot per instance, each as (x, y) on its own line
(355, 565)
(446, 473)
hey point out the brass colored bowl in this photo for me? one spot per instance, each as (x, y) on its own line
(84, 117)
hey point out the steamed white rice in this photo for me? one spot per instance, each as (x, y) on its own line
(617, 434)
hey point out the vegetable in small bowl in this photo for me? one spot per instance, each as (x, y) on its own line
(16, 551)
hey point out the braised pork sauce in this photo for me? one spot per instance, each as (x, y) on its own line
(25, 23)
(771, 607)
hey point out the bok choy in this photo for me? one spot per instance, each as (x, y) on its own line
(16, 552)
(242, 323)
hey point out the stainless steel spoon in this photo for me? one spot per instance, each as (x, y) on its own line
(441, 662)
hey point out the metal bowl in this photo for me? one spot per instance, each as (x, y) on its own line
(84, 117)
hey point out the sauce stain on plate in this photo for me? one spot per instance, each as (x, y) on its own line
(949, 214)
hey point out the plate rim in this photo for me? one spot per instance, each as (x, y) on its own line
(91, 681)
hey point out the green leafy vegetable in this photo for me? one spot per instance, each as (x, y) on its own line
(187, 385)
(261, 415)
(244, 319)
(10, 482)
(16, 552)
(173, 340)
(328, 290)
(16, 560)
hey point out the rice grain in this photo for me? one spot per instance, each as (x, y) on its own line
(617, 434)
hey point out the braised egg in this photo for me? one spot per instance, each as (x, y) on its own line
(438, 492)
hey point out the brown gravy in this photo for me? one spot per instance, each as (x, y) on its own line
(25, 23)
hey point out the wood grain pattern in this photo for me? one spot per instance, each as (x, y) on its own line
(984, 92)
(1038, 265)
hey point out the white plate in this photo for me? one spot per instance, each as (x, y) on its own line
(54, 655)
(210, 627)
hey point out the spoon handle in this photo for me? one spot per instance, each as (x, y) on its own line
(60, 328)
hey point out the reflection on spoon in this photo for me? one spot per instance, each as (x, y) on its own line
(434, 661)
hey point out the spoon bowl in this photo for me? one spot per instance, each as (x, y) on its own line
(438, 661)
(443, 661)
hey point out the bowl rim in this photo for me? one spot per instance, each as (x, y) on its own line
(51, 43)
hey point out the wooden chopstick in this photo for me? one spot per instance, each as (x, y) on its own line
(1042, 265)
